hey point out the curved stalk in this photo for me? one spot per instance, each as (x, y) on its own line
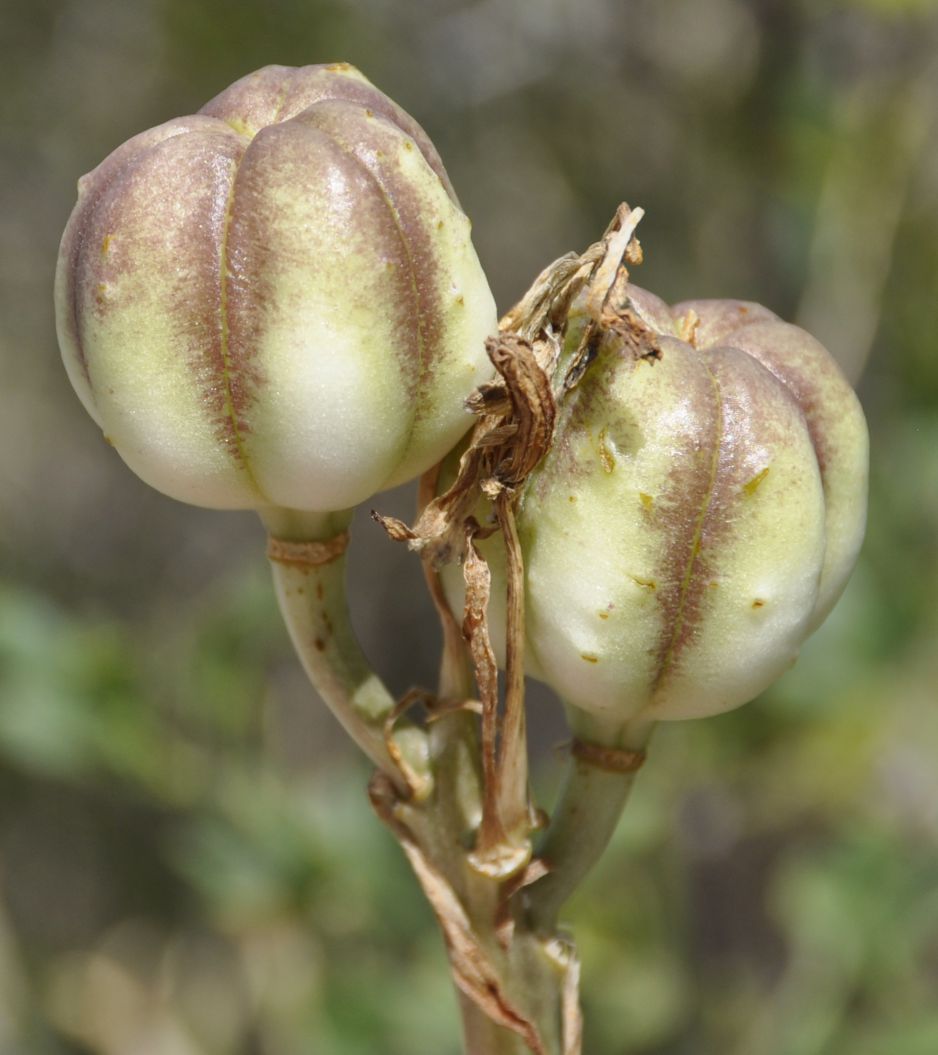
(591, 802)
(309, 565)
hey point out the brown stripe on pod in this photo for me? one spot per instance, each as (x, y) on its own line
(349, 213)
(748, 421)
(808, 371)
(244, 261)
(375, 146)
(363, 94)
(278, 93)
(83, 249)
(169, 214)
(229, 370)
(232, 373)
(690, 512)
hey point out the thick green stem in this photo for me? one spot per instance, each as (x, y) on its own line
(310, 586)
(591, 802)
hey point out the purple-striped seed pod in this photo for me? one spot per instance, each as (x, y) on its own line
(696, 518)
(275, 302)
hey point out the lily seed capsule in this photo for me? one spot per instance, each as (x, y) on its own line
(275, 302)
(696, 518)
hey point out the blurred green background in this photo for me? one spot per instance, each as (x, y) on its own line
(188, 864)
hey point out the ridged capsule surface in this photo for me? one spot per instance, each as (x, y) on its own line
(275, 301)
(697, 516)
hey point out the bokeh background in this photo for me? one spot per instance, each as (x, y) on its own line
(188, 865)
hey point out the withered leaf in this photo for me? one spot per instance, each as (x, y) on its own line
(533, 409)
(478, 580)
(473, 971)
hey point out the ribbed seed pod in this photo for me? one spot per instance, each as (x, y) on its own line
(275, 302)
(697, 516)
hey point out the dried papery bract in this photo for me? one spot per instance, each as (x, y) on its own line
(517, 421)
(275, 304)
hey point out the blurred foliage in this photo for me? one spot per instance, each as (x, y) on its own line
(188, 865)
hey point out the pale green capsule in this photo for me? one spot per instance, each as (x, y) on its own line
(276, 301)
(696, 518)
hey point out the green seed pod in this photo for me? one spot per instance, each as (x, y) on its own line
(697, 516)
(275, 302)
